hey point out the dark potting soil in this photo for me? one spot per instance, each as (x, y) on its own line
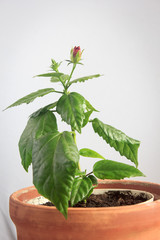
(110, 199)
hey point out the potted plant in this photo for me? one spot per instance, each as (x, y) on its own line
(57, 174)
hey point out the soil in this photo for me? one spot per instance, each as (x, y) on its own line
(110, 199)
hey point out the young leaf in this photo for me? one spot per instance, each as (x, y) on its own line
(83, 79)
(86, 152)
(71, 107)
(63, 78)
(55, 160)
(36, 127)
(107, 169)
(90, 107)
(32, 96)
(55, 76)
(86, 119)
(125, 145)
(51, 74)
(55, 65)
(87, 114)
(82, 187)
(54, 79)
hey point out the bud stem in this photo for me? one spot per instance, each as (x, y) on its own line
(73, 68)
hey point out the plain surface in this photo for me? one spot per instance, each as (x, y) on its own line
(121, 41)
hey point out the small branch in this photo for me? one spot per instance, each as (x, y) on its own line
(58, 92)
(62, 82)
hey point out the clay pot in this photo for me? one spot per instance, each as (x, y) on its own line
(135, 222)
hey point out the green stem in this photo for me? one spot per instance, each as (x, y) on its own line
(89, 174)
(79, 166)
(61, 79)
(74, 137)
(73, 68)
(58, 92)
(62, 83)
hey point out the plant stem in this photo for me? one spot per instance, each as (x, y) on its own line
(73, 68)
(62, 82)
(74, 137)
(58, 92)
(88, 174)
(79, 166)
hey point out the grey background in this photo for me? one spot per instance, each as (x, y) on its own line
(121, 41)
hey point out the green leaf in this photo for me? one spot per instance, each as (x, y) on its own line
(82, 187)
(107, 169)
(43, 110)
(86, 152)
(71, 107)
(86, 119)
(83, 79)
(55, 65)
(93, 179)
(55, 160)
(125, 145)
(50, 74)
(55, 76)
(32, 96)
(63, 78)
(90, 107)
(54, 79)
(87, 114)
(80, 173)
(36, 127)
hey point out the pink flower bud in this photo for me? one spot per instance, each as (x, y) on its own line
(76, 54)
(76, 50)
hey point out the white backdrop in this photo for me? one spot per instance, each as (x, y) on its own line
(121, 40)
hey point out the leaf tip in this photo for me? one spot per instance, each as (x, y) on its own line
(65, 214)
(35, 76)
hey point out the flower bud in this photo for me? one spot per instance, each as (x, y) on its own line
(75, 54)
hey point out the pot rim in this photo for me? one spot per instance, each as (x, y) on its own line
(14, 197)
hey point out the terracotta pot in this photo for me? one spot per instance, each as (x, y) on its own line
(136, 222)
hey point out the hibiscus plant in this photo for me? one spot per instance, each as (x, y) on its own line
(55, 155)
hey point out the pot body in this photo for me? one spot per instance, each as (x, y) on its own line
(135, 222)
